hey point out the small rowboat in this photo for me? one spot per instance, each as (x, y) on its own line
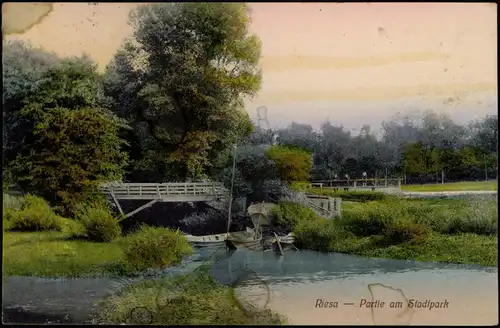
(206, 241)
(288, 239)
(282, 243)
(247, 238)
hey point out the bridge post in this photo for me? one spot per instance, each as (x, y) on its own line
(148, 204)
(116, 201)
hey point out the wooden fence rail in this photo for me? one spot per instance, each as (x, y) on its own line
(162, 190)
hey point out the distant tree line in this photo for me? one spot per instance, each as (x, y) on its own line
(419, 148)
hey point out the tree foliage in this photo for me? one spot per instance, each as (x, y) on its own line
(292, 163)
(23, 67)
(180, 82)
(70, 144)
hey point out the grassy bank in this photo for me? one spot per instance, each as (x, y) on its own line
(56, 254)
(446, 230)
(38, 242)
(194, 300)
(454, 186)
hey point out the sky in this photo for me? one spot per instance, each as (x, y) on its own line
(350, 63)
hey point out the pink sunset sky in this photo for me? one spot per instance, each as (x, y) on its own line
(351, 63)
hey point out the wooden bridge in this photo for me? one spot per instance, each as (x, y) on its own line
(164, 192)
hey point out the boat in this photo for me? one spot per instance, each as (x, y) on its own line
(248, 238)
(251, 238)
(217, 239)
(206, 241)
(288, 239)
(282, 243)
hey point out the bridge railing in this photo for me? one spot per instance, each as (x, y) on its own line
(164, 189)
(357, 183)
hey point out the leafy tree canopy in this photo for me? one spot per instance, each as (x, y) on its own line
(70, 145)
(181, 80)
(292, 163)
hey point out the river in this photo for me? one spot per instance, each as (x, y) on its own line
(307, 287)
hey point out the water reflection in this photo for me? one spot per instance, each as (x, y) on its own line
(308, 266)
(299, 279)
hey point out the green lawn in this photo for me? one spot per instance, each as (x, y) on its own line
(455, 186)
(53, 254)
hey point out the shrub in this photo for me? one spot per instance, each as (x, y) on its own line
(320, 234)
(403, 229)
(152, 247)
(371, 219)
(98, 222)
(35, 215)
(94, 200)
(288, 214)
(74, 228)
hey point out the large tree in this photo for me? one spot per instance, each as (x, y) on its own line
(71, 144)
(23, 66)
(180, 81)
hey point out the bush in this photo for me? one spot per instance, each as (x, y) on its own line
(73, 228)
(371, 219)
(35, 215)
(152, 247)
(320, 234)
(288, 214)
(403, 229)
(98, 222)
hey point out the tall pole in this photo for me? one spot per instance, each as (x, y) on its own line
(231, 191)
